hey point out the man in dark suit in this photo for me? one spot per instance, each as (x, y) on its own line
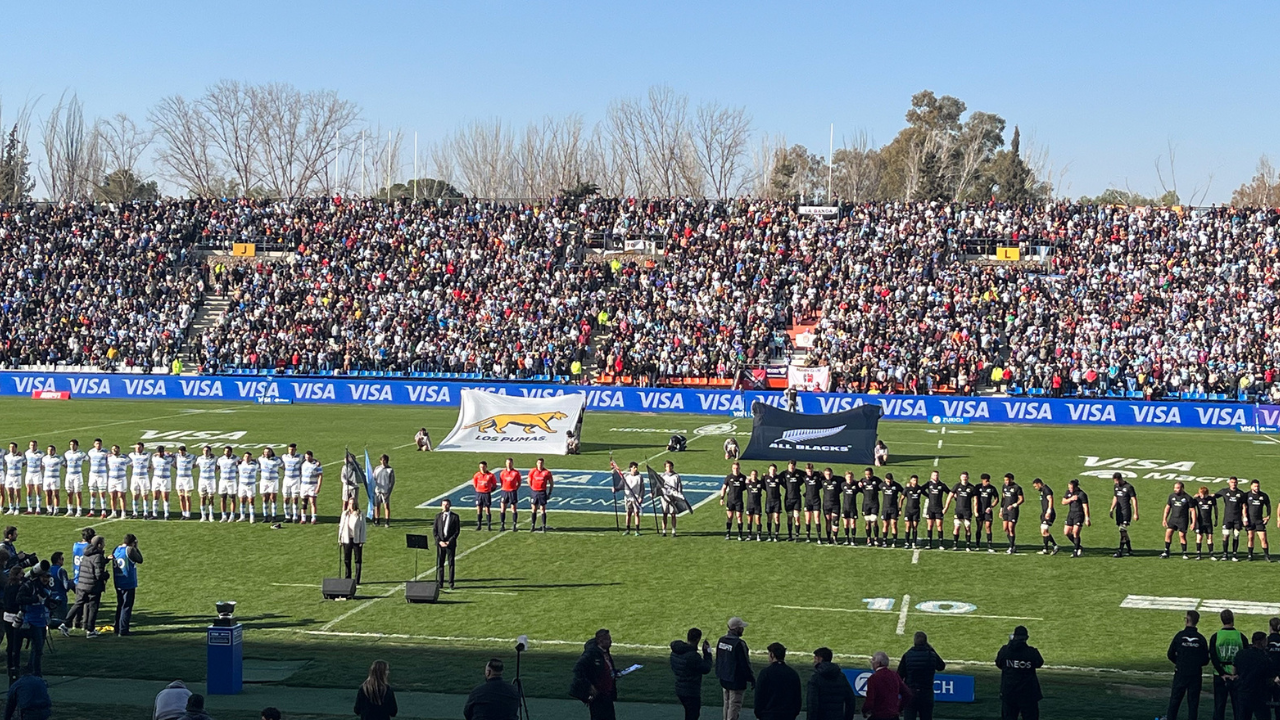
(445, 532)
(495, 699)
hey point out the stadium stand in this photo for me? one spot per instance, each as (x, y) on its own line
(895, 297)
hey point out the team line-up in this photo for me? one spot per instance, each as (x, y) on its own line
(830, 504)
(231, 483)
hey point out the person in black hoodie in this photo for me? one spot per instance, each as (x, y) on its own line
(688, 665)
(733, 667)
(1019, 687)
(778, 688)
(1189, 653)
(1255, 678)
(830, 695)
(94, 571)
(1273, 652)
(916, 668)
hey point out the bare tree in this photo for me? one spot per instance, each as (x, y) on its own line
(1170, 188)
(856, 169)
(979, 138)
(383, 154)
(73, 155)
(663, 135)
(300, 133)
(623, 122)
(483, 153)
(235, 128)
(186, 155)
(764, 160)
(122, 142)
(720, 135)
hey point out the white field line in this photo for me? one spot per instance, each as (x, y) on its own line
(902, 613)
(120, 422)
(664, 648)
(915, 556)
(400, 588)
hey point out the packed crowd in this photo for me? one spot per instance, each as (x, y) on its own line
(504, 292)
(1162, 301)
(108, 286)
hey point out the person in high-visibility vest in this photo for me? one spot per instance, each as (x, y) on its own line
(1223, 646)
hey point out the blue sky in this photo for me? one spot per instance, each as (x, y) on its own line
(1105, 86)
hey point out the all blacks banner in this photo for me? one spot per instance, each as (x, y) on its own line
(846, 438)
(512, 424)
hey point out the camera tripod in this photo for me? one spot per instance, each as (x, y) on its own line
(522, 711)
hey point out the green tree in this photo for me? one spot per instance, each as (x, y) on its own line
(580, 190)
(1263, 190)
(939, 156)
(427, 189)
(16, 182)
(124, 186)
(1116, 196)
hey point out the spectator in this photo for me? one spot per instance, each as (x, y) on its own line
(777, 688)
(689, 665)
(375, 700)
(733, 668)
(171, 702)
(195, 708)
(270, 713)
(89, 588)
(830, 695)
(1019, 686)
(594, 677)
(917, 668)
(886, 693)
(28, 699)
(494, 699)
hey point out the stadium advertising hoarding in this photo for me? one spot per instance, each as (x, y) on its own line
(938, 409)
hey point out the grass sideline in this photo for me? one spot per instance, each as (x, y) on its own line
(559, 587)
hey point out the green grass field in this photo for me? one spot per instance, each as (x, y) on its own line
(560, 587)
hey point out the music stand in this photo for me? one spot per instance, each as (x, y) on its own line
(417, 542)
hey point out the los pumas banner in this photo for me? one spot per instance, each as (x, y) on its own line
(845, 438)
(488, 422)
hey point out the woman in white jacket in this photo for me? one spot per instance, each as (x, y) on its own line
(351, 537)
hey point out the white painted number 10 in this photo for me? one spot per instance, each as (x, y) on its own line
(938, 607)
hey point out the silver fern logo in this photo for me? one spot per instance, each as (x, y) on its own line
(798, 436)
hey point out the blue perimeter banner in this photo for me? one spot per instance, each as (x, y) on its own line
(938, 409)
(583, 491)
(946, 688)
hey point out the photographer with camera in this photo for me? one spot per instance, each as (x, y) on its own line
(16, 558)
(12, 620)
(91, 584)
(33, 603)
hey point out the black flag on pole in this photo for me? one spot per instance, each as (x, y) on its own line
(671, 495)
